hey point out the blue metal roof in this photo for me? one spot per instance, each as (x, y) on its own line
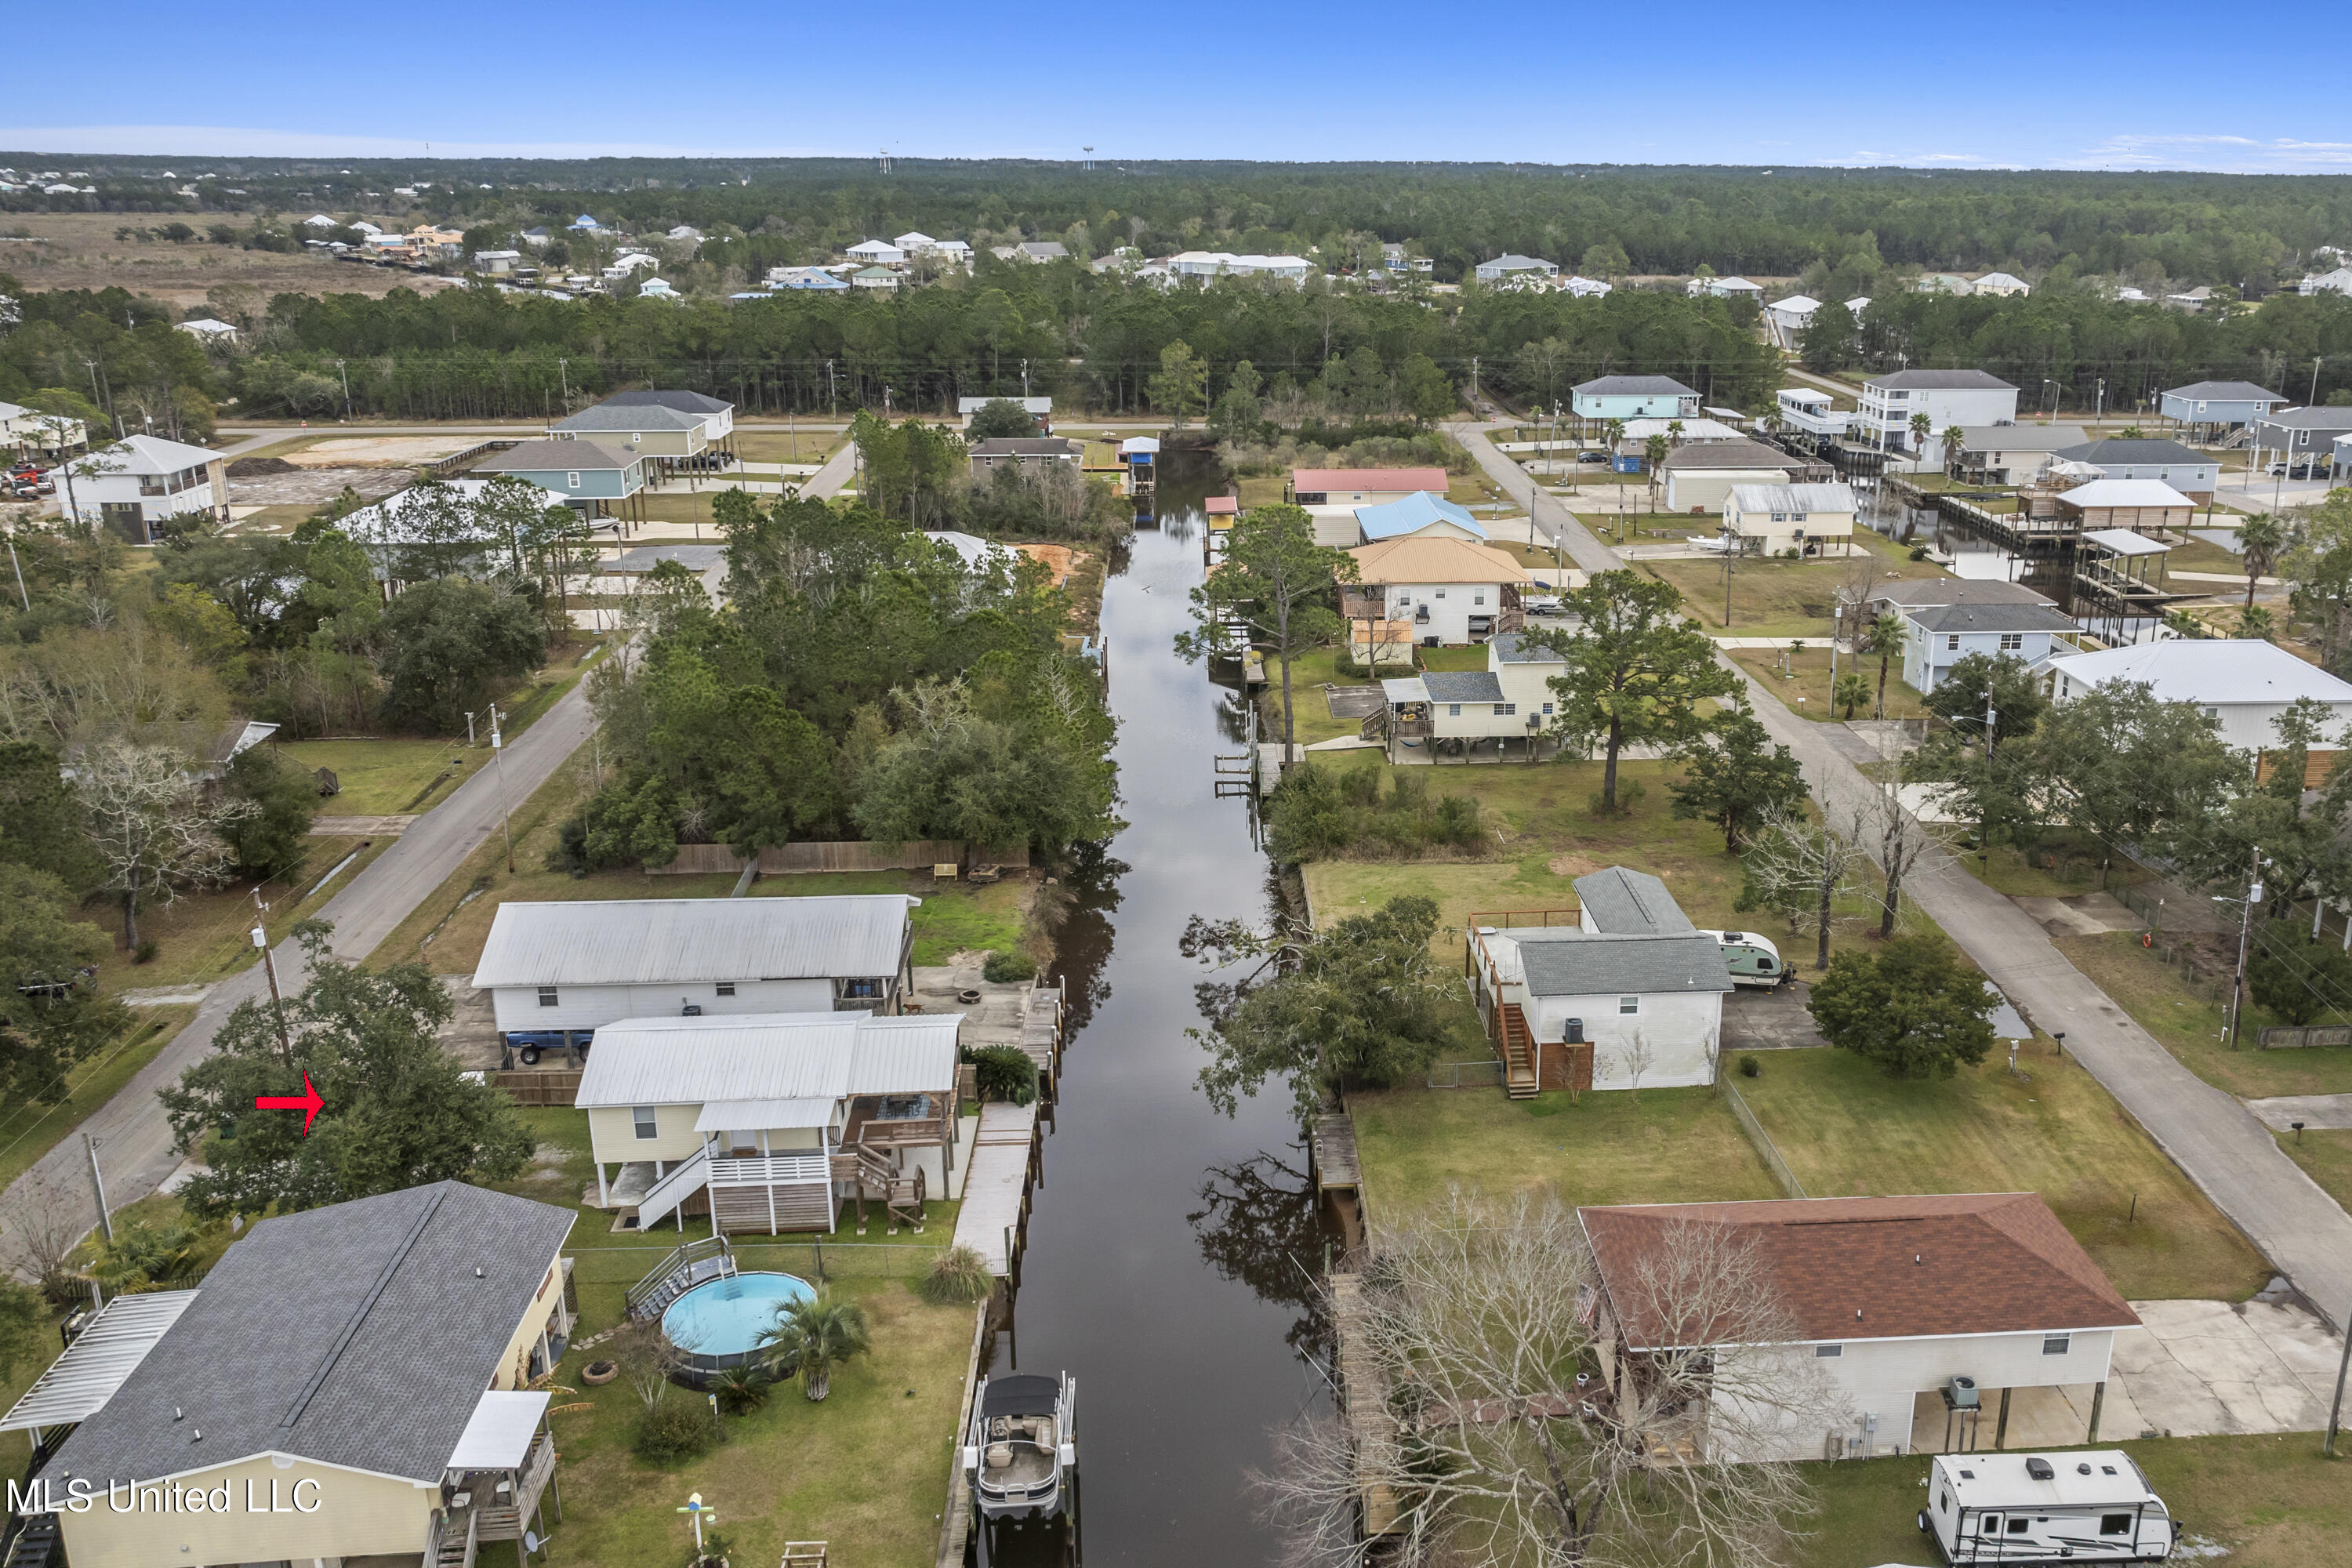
(1411, 514)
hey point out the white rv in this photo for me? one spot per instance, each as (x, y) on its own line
(2015, 1509)
(1750, 958)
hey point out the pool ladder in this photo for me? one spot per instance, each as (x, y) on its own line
(705, 1257)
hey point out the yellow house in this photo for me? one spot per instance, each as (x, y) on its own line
(345, 1384)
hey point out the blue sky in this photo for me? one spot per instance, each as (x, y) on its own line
(2046, 85)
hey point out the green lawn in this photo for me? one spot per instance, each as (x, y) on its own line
(2059, 867)
(204, 937)
(1780, 598)
(2326, 1156)
(1846, 1130)
(2263, 1502)
(809, 444)
(1806, 689)
(1663, 1145)
(2187, 1021)
(387, 776)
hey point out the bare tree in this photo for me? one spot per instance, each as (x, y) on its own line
(1801, 867)
(45, 1221)
(646, 1357)
(154, 823)
(1903, 846)
(1637, 1058)
(1496, 1402)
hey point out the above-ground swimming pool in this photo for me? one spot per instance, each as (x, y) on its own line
(718, 1325)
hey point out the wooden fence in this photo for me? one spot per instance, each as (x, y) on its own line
(538, 1088)
(795, 859)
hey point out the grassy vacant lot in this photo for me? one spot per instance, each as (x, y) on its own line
(2060, 866)
(203, 936)
(82, 253)
(809, 444)
(2254, 1502)
(448, 929)
(1809, 680)
(2189, 1022)
(1846, 1130)
(1665, 1145)
(28, 1131)
(391, 775)
(1779, 598)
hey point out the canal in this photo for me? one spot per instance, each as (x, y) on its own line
(1170, 1248)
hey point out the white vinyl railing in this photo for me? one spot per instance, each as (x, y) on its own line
(770, 1170)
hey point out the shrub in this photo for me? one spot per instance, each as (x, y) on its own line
(1750, 1067)
(1918, 552)
(146, 950)
(1007, 968)
(673, 1429)
(742, 1389)
(1005, 1073)
(958, 1274)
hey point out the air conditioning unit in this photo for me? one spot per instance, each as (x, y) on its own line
(1575, 1032)
(1964, 1394)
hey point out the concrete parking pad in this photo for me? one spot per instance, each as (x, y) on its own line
(2206, 1368)
(2281, 1112)
(2085, 914)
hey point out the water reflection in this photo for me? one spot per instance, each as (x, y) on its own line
(1259, 1225)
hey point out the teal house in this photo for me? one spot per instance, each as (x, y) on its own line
(1634, 397)
(587, 475)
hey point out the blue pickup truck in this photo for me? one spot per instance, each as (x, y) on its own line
(530, 1045)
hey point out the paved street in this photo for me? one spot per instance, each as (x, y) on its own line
(2213, 1137)
(135, 1140)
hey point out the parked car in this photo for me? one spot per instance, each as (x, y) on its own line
(1592, 456)
(1540, 603)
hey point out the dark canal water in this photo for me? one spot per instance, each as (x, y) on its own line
(1170, 1248)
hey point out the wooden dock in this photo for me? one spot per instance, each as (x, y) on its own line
(1041, 1035)
(994, 1219)
(1365, 1394)
(1331, 1145)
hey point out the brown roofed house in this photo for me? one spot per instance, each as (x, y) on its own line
(1935, 1315)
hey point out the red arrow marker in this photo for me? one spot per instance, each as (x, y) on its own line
(308, 1102)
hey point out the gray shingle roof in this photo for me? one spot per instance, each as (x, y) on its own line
(355, 1335)
(684, 402)
(2021, 437)
(548, 457)
(1625, 902)
(1025, 446)
(2310, 419)
(1992, 619)
(1730, 455)
(1513, 648)
(631, 416)
(1930, 591)
(1942, 381)
(1635, 387)
(2115, 449)
(2225, 391)
(1581, 963)
(1461, 685)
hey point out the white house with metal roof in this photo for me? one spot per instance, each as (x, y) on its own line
(141, 481)
(745, 1116)
(1772, 520)
(875, 253)
(1811, 410)
(2244, 685)
(1787, 319)
(1964, 397)
(1514, 268)
(1632, 397)
(576, 966)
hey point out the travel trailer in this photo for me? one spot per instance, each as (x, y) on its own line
(2015, 1508)
(1750, 958)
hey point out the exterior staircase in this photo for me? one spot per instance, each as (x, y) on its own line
(38, 1545)
(704, 1258)
(1517, 1043)
(901, 1192)
(681, 1182)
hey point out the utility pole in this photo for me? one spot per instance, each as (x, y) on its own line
(269, 963)
(1024, 379)
(2314, 399)
(106, 1221)
(1984, 816)
(347, 389)
(2335, 1411)
(2245, 935)
(564, 375)
(832, 399)
(506, 813)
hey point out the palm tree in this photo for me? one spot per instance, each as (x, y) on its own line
(1852, 693)
(1655, 449)
(2255, 622)
(1883, 636)
(2262, 538)
(1954, 438)
(814, 1333)
(1674, 432)
(1920, 425)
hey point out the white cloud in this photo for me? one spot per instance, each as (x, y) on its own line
(2225, 154)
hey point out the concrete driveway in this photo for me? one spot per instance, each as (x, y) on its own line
(2205, 1368)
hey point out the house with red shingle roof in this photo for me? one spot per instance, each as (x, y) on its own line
(1898, 1300)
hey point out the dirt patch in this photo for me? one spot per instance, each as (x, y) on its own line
(1572, 866)
(315, 487)
(379, 451)
(255, 467)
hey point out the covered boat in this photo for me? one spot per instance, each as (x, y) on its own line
(1020, 1446)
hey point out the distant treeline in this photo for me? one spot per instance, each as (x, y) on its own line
(2247, 231)
(1095, 343)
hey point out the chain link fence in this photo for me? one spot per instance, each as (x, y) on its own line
(1760, 1138)
(810, 1259)
(1466, 1075)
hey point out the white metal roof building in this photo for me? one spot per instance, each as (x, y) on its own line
(582, 964)
(2243, 684)
(769, 1059)
(99, 1361)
